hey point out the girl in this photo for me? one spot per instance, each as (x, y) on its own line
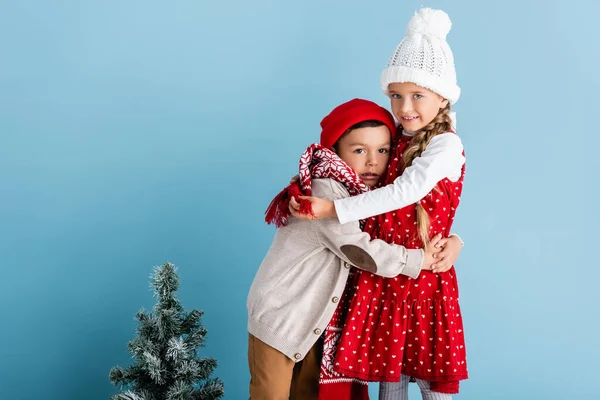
(402, 328)
(301, 279)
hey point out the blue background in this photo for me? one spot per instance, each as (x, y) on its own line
(138, 132)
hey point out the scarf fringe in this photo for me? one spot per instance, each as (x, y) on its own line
(278, 212)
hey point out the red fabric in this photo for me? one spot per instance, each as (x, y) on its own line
(316, 162)
(333, 385)
(341, 118)
(403, 325)
(450, 386)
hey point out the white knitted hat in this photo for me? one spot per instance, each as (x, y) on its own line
(424, 57)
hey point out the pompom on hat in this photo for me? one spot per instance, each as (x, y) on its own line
(424, 57)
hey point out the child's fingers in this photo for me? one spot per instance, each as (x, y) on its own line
(435, 240)
(444, 253)
(294, 204)
(442, 242)
(293, 211)
(442, 265)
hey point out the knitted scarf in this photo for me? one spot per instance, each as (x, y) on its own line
(316, 162)
(320, 162)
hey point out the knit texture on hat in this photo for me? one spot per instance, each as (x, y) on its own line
(424, 57)
(352, 112)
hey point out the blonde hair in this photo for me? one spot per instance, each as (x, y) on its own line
(442, 123)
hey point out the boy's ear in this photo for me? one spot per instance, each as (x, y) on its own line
(333, 149)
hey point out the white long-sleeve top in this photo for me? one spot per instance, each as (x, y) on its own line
(442, 158)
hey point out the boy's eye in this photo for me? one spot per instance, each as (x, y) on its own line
(359, 151)
(384, 151)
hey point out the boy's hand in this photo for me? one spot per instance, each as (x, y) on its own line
(451, 248)
(295, 179)
(321, 208)
(430, 251)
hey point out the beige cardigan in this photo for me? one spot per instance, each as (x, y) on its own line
(301, 279)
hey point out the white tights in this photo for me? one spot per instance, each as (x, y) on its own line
(399, 390)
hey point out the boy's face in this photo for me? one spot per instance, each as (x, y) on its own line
(414, 106)
(367, 151)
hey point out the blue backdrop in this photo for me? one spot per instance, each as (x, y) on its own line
(137, 132)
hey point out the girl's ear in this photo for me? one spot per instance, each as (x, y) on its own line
(444, 103)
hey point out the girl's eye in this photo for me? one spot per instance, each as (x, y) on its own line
(395, 96)
(417, 96)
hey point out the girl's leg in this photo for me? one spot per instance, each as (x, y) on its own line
(394, 390)
(428, 394)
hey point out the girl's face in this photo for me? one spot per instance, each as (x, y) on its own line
(414, 106)
(367, 151)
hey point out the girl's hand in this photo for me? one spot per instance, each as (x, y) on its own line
(295, 179)
(430, 250)
(451, 248)
(321, 208)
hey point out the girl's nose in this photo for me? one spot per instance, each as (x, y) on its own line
(406, 106)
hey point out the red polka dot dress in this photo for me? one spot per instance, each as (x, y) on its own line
(401, 325)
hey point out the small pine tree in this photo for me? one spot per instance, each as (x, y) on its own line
(166, 365)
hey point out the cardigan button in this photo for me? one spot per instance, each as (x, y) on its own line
(346, 265)
(297, 356)
(317, 331)
(335, 299)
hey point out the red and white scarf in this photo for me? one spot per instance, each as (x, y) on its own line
(316, 162)
(320, 162)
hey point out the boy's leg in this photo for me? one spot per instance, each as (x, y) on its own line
(270, 371)
(305, 380)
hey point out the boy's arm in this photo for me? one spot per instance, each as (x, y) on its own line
(355, 247)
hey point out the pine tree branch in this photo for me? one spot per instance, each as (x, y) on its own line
(195, 338)
(177, 350)
(165, 281)
(154, 367)
(180, 390)
(168, 322)
(147, 328)
(210, 390)
(129, 395)
(206, 367)
(191, 322)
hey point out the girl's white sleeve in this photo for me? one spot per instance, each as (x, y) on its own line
(441, 159)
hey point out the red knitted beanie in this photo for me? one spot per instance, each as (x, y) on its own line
(344, 116)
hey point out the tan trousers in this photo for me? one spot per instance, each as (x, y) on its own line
(273, 376)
